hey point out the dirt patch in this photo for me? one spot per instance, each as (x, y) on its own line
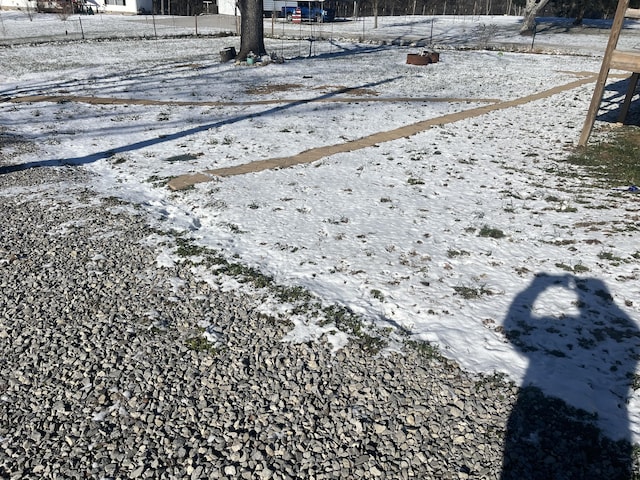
(267, 89)
(195, 66)
(358, 92)
(269, 101)
(287, 87)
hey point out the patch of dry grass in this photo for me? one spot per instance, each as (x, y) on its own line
(614, 161)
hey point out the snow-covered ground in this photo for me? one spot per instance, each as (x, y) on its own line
(460, 234)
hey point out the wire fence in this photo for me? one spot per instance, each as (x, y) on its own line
(59, 27)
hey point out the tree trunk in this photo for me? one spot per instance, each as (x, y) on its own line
(375, 14)
(531, 9)
(580, 16)
(251, 29)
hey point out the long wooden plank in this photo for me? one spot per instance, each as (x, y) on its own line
(273, 101)
(625, 60)
(632, 13)
(314, 154)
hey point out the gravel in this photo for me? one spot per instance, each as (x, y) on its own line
(104, 373)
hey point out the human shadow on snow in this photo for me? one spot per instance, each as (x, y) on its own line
(582, 354)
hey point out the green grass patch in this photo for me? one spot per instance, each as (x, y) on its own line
(613, 161)
(487, 231)
(200, 344)
(368, 337)
(424, 349)
(158, 181)
(377, 294)
(610, 256)
(471, 293)
(187, 249)
(579, 268)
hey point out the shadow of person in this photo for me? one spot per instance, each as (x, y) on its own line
(570, 420)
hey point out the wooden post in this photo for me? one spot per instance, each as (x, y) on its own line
(604, 72)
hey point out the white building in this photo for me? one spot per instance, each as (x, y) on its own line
(123, 6)
(227, 7)
(129, 7)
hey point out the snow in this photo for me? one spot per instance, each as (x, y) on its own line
(392, 231)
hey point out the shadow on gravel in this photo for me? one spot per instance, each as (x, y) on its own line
(582, 350)
(174, 136)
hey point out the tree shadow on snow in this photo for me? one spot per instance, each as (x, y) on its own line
(583, 350)
(338, 49)
(86, 159)
(144, 78)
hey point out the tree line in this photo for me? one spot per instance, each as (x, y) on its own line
(252, 26)
(577, 9)
(555, 8)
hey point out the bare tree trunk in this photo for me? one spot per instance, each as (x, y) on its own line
(531, 9)
(580, 15)
(375, 13)
(29, 10)
(251, 29)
